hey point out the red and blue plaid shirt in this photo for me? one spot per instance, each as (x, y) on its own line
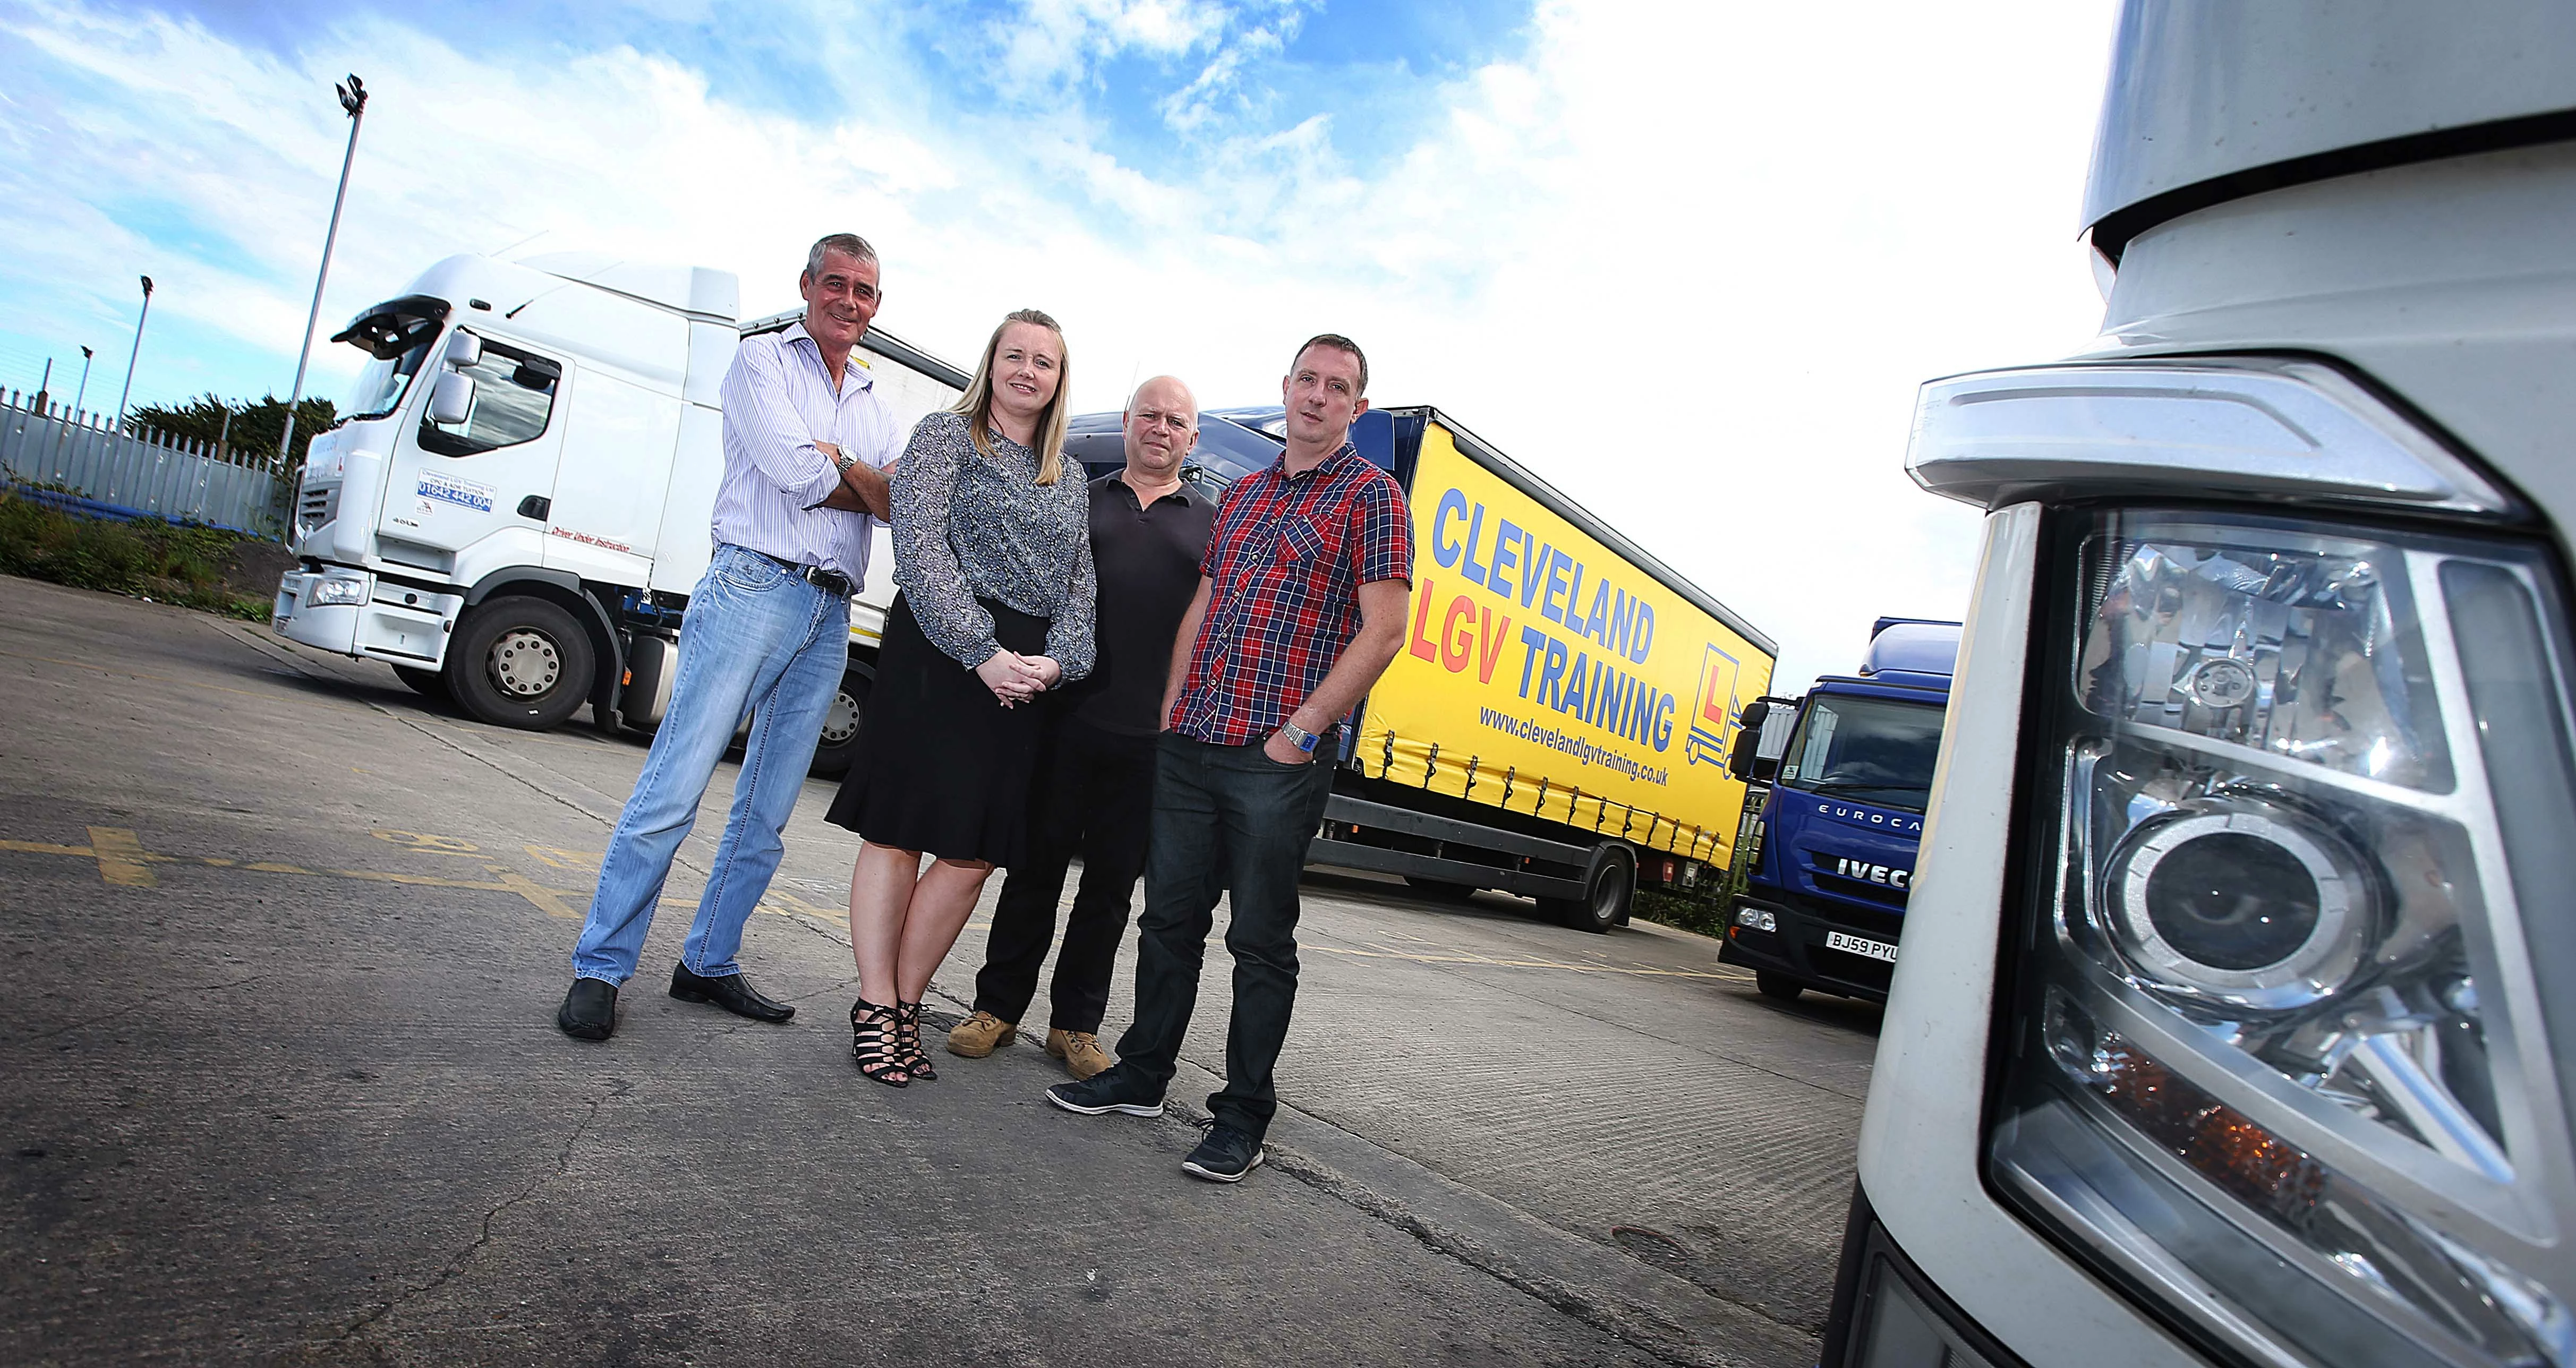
(1288, 558)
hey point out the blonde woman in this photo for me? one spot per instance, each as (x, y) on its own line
(992, 563)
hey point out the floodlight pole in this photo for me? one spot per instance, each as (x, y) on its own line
(353, 100)
(83, 392)
(139, 320)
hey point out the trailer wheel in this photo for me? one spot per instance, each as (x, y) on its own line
(520, 661)
(839, 748)
(1609, 885)
(426, 683)
(1775, 986)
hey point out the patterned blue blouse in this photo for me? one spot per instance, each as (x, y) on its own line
(969, 526)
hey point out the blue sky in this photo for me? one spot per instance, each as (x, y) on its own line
(1171, 91)
(1687, 262)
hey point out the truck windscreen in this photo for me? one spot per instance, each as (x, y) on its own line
(399, 342)
(1871, 750)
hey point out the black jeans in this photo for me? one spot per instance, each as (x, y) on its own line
(1226, 819)
(1093, 794)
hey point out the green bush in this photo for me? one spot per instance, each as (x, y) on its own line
(149, 558)
(1701, 910)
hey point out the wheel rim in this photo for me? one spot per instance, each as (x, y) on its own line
(841, 720)
(526, 663)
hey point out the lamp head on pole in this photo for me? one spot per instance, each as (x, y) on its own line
(353, 96)
(85, 353)
(147, 287)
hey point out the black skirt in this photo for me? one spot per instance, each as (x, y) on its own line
(943, 767)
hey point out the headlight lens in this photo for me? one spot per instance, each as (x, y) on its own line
(1756, 918)
(325, 593)
(2279, 1054)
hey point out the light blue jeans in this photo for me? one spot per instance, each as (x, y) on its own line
(756, 640)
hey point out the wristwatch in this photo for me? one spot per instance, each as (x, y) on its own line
(845, 460)
(1299, 737)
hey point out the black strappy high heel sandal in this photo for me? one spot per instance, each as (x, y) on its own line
(874, 1043)
(907, 1017)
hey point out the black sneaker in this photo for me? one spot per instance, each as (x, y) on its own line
(1100, 1094)
(1224, 1156)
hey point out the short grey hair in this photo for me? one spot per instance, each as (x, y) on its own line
(847, 244)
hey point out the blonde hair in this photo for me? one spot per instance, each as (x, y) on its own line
(976, 404)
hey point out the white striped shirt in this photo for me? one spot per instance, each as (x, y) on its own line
(778, 402)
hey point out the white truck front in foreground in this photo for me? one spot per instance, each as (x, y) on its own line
(515, 505)
(2237, 1010)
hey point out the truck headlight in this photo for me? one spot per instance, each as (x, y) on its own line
(326, 593)
(2281, 1054)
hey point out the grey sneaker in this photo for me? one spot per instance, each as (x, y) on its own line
(1100, 1094)
(1224, 1156)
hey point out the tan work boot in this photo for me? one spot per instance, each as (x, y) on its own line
(980, 1035)
(1080, 1051)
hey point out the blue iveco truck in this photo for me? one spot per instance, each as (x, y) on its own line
(1827, 864)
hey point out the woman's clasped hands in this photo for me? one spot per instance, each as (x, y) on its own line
(1015, 678)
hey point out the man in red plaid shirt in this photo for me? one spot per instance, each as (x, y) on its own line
(1300, 608)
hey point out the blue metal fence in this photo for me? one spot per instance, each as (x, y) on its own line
(47, 449)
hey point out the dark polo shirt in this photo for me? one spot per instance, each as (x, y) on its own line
(1147, 563)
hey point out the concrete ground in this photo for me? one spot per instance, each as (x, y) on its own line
(285, 943)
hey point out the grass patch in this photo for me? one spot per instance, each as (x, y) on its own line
(148, 558)
(1702, 910)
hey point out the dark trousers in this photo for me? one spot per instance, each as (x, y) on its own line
(1092, 795)
(1227, 819)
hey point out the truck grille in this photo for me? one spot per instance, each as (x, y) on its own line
(316, 508)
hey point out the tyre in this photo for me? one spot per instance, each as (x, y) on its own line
(1440, 890)
(1609, 885)
(520, 661)
(839, 747)
(1775, 986)
(426, 683)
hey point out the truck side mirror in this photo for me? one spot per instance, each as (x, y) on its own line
(453, 401)
(463, 349)
(1748, 737)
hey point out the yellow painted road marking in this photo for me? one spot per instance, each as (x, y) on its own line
(42, 848)
(556, 857)
(435, 845)
(120, 857)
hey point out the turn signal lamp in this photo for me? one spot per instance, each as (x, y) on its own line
(2290, 989)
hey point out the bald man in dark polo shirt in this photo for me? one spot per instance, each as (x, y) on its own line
(1093, 793)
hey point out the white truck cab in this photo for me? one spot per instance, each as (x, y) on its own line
(515, 504)
(2236, 1019)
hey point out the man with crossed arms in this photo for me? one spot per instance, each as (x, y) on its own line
(1300, 608)
(806, 441)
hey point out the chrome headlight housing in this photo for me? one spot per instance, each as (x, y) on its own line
(2279, 1059)
(335, 591)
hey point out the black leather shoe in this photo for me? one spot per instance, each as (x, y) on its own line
(590, 1010)
(733, 993)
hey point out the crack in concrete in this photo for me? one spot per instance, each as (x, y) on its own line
(133, 1008)
(457, 1265)
(1661, 1340)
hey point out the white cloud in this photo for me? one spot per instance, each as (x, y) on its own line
(1686, 262)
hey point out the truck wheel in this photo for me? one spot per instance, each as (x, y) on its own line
(839, 747)
(426, 683)
(1608, 887)
(520, 661)
(1776, 987)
